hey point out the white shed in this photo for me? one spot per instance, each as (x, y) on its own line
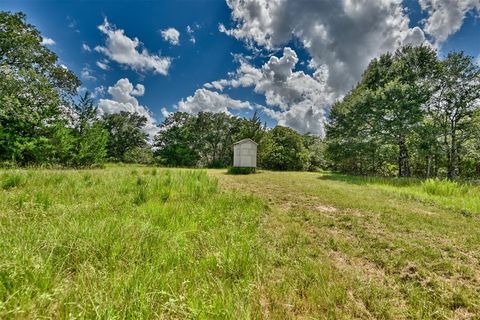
(245, 153)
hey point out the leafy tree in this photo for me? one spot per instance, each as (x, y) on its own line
(252, 128)
(215, 134)
(124, 133)
(143, 155)
(454, 104)
(90, 136)
(284, 150)
(315, 150)
(384, 113)
(174, 142)
(33, 86)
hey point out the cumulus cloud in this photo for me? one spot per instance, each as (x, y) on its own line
(301, 100)
(171, 35)
(123, 98)
(342, 35)
(47, 41)
(210, 101)
(129, 52)
(445, 17)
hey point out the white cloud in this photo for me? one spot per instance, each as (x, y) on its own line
(86, 74)
(47, 41)
(126, 51)
(171, 35)
(99, 91)
(445, 17)
(123, 98)
(342, 35)
(302, 100)
(86, 47)
(102, 65)
(210, 101)
(165, 112)
(190, 32)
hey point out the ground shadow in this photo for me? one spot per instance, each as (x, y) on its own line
(364, 180)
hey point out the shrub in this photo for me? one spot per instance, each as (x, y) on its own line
(241, 170)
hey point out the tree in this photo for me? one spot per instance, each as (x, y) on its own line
(454, 104)
(252, 128)
(283, 150)
(174, 142)
(383, 113)
(33, 86)
(315, 150)
(90, 136)
(124, 133)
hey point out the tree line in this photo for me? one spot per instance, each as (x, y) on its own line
(411, 114)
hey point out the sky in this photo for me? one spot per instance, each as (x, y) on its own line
(288, 60)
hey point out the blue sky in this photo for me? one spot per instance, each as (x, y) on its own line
(223, 61)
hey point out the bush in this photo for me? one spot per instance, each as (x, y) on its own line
(241, 170)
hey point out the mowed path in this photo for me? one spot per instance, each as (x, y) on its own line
(334, 249)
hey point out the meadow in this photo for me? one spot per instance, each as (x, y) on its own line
(145, 242)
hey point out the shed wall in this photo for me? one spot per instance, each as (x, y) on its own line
(245, 154)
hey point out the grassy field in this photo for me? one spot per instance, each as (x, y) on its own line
(137, 242)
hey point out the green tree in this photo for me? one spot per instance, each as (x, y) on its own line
(454, 104)
(283, 150)
(125, 132)
(215, 134)
(174, 142)
(90, 136)
(315, 150)
(33, 86)
(383, 114)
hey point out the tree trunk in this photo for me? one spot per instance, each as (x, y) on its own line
(429, 166)
(403, 161)
(452, 156)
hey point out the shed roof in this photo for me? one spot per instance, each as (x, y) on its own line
(244, 140)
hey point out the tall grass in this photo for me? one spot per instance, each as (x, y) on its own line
(463, 197)
(123, 243)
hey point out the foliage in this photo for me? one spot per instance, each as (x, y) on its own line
(204, 140)
(124, 134)
(139, 155)
(33, 86)
(410, 113)
(283, 149)
(174, 143)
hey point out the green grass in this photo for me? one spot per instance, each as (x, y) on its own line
(462, 197)
(127, 242)
(340, 247)
(140, 242)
